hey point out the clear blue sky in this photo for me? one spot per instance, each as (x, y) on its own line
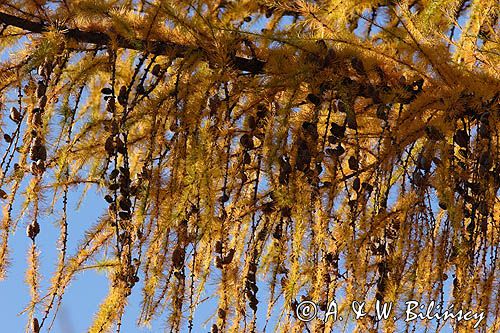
(89, 289)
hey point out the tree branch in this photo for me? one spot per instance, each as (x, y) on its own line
(155, 47)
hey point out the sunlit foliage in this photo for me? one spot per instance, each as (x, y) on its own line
(342, 150)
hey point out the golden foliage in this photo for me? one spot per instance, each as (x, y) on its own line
(342, 150)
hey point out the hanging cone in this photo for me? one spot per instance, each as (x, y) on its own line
(15, 115)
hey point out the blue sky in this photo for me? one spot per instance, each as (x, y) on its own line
(90, 287)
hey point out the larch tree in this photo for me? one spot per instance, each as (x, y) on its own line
(327, 150)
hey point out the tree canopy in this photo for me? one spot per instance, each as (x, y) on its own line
(343, 150)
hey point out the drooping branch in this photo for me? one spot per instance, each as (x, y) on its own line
(152, 46)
